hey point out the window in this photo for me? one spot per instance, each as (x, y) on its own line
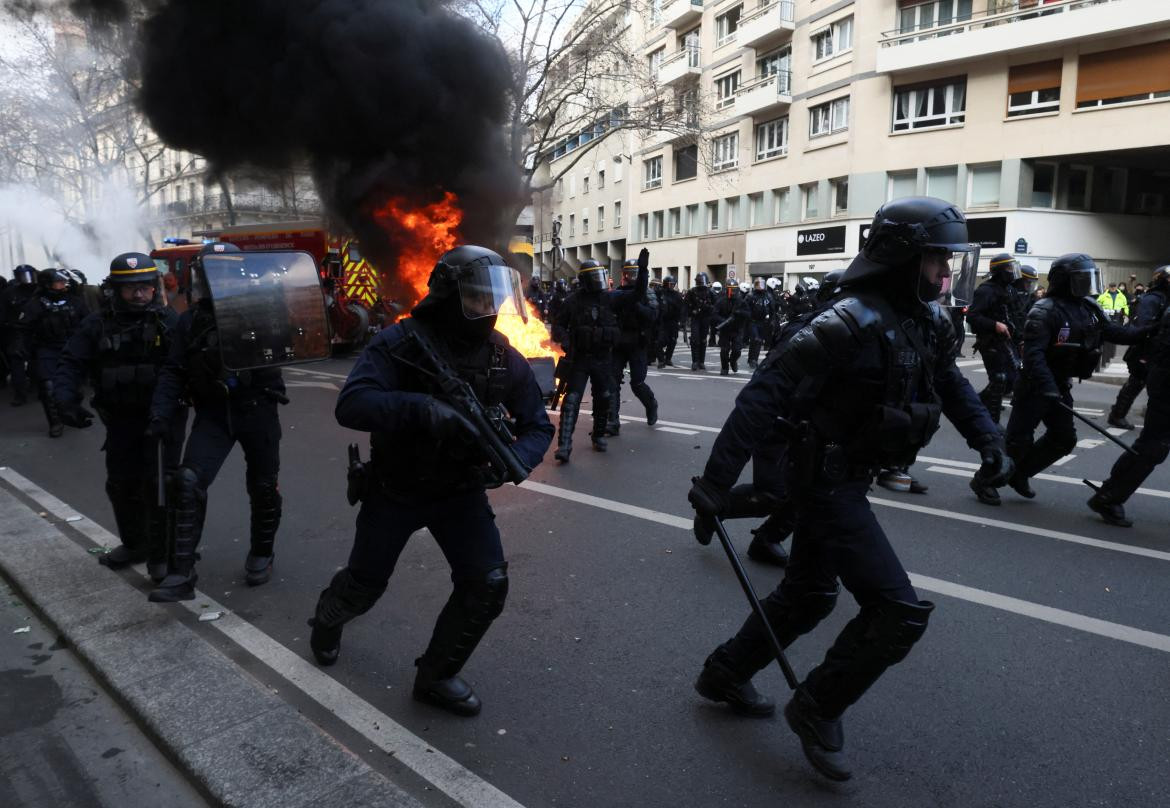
(617, 169)
(943, 183)
(655, 11)
(1136, 73)
(692, 222)
(1034, 88)
(941, 104)
(777, 63)
(712, 215)
(1043, 185)
(585, 184)
(686, 161)
(686, 106)
(644, 226)
(725, 87)
(656, 219)
(756, 211)
(833, 39)
(1078, 186)
(572, 224)
(840, 190)
(572, 187)
(675, 221)
(584, 225)
(772, 139)
(617, 215)
(783, 208)
(600, 179)
(733, 213)
(811, 194)
(726, 25)
(921, 16)
(983, 184)
(725, 152)
(827, 118)
(904, 183)
(654, 61)
(601, 217)
(652, 173)
(560, 193)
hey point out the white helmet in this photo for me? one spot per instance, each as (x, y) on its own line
(744, 287)
(772, 283)
(717, 286)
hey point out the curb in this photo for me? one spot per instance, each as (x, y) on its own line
(223, 728)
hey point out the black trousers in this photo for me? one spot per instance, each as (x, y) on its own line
(1001, 376)
(667, 340)
(14, 353)
(1029, 410)
(255, 427)
(1152, 445)
(464, 526)
(633, 357)
(132, 477)
(730, 346)
(700, 327)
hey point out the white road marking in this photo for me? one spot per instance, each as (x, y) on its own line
(675, 430)
(341, 376)
(1089, 443)
(1005, 603)
(441, 771)
(1116, 432)
(322, 385)
(1056, 478)
(642, 420)
(1063, 460)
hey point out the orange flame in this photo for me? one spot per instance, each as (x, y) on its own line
(422, 235)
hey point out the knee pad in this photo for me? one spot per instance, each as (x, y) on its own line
(263, 489)
(808, 609)
(483, 597)
(345, 598)
(894, 627)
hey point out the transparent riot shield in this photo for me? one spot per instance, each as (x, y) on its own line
(269, 308)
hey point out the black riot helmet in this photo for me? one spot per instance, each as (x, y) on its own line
(1027, 279)
(1074, 275)
(133, 281)
(197, 289)
(592, 276)
(668, 282)
(47, 280)
(914, 233)
(561, 285)
(1161, 278)
(25, 275)
(829, 284)
(629, 271)
(482, 280)
(702, 280)
(1004, 268)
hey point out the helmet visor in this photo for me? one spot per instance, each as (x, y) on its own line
(951, 272)
(595, 279)
(485, 290)
(1085, 281)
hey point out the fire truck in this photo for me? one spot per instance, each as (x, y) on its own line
(352, 291)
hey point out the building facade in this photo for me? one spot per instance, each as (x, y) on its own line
(1044, 120)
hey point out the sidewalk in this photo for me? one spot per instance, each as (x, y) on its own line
(64, 741)
(229, 734)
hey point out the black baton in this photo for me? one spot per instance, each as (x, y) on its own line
(1113, 438)
(749, 590)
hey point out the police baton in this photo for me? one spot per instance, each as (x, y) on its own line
(1113, 438)
(753, 599)
(160, 493)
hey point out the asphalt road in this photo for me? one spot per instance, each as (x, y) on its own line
(1041, 682)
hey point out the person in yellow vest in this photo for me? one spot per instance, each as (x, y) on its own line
(1116, 307)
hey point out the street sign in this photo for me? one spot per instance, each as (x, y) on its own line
(1021, 246)
(990, 232)
(820, 240)
(731, 272)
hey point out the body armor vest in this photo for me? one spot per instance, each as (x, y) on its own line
(1075, 347)
(58, 319)
(594, 328)
(129, 352)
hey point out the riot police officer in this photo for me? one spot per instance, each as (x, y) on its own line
(1147, 310)
(991, 316)
(700, 305)
(636, 328)
(670, 314)
(761, 319)
(230, 408)
(859, 387)
(1063, 335)
(47, 321)
(1153, 444)
(120, 348)
(13, 299)
(427, 468)
(556, 300)
(732, 316)
(589, 321)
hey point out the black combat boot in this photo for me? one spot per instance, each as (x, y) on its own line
(767, 550)
(344, 599)
(130, 515)
(985, 493)
(569, 409)
(1119, 420)
(19, 398)
(465, 619)
(646, 396)
(822, 739)
(600, 425)
(1021, 485)
(719, 683)
(1112, 512)
(266, 502)
(179, 583)
(1125, 399)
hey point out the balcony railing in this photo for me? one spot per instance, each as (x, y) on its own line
(691, 53)
(241, 203)
(787, 11)
(781, 78)
(998, 12)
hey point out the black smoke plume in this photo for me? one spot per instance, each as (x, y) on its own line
(383, 98)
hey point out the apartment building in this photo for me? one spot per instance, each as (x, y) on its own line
(1045, 120)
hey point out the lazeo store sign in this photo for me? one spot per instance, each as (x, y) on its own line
(820, 240)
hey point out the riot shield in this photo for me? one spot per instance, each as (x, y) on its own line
(269, 308)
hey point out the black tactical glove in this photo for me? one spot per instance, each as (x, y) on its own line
(644, 260)
(997, 468)
(444, 422)
(75, 415)
(707, 498)
(157, 429)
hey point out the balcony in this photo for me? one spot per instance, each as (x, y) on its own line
(1009, 26)
(766, 94)
(769, 24)
(679, 66)
(679, 13)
